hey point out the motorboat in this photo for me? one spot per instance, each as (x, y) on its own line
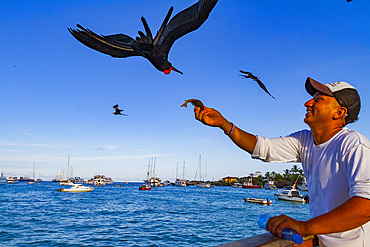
(2, 178)
(78, 180)
(99, 180)
(304, 186)
(24, 179)
(77, 188)
(248, 185)
(269, 185)
(258, 201)
(65, 182)
(12, 180)
(204, 185)
(236, 185)
(292, 195)
(180, 182)
(109, 181)
(145, 187)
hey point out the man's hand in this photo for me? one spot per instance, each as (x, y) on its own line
(210, 117)
(276, 224)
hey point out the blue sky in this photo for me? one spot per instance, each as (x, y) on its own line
(56, 95)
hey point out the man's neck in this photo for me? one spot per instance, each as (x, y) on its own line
(323, 135)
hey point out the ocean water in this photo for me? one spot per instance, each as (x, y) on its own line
(38, 215)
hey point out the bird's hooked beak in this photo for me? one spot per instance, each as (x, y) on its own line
(167, 71)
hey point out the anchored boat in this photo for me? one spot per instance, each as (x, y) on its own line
(77, 188)
(258, 200)
(292, 195)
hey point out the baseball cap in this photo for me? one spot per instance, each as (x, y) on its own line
(346, 95)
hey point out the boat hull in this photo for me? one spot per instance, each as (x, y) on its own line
(251, 186)
(145, 187)
(76, 188)
(292, 199)
(258, 201)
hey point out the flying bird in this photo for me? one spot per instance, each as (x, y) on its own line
(255, 78)
(118, 111)
(154, 49)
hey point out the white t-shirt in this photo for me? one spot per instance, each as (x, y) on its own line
(335, 171)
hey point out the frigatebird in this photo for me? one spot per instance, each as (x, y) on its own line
(255, 78)
(155, 50)
(118, 111)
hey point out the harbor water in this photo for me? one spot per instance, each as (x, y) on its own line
(38, 215)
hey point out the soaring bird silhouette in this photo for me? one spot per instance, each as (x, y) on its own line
(155, 50)
(118, 111)
(255, 78)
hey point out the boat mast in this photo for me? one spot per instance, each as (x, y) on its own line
(205, 172)
(68, 168)
(200, 168)
(177, 170)
(154, 175)
(147, 174)
(183, 171)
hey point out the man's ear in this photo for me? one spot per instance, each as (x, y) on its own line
(341, 112)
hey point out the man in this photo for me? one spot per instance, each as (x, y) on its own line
(335, 160)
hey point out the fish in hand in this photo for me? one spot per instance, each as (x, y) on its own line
(194, 102)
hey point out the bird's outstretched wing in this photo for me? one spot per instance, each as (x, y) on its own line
(185, 22)
(255, 78)
(118, 45)
(263, 87)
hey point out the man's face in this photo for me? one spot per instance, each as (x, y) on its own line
(320, 109)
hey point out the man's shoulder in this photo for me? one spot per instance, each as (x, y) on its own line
(302, 134)
(351, 137)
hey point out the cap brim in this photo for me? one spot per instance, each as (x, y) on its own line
(313, 86)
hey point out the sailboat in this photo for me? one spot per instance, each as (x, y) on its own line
(153, 180)
(147, 185)
(180, 182)
(65, 180)
(32, 181)
(2, 178)
(202, 184)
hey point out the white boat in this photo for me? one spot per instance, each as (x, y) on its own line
(180, 182)
(109, 181)
(65, 182)
(258, 201)
(204, 185)
(99, 180)
(237, 185)
(12, 180)
(304, 186)
(292, 195)
(78, 180)
(269, 185)
(2, 178)
(77, 188)
(151, 178)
